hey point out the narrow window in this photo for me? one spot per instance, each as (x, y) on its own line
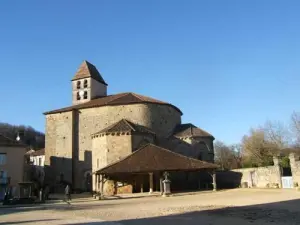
(2, 158)
(78, 96)
(3, 177)
(78, 84)
(97, 163)
(85, 83)
(85, 96)
(199, 157)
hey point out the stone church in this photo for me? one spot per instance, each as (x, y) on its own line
(99, 129)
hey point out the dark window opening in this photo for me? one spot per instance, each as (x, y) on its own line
(85, 96)
(85, 84)
(78, 84)
(199, 157)
(78, 96)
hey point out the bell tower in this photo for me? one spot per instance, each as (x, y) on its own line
(87, 84)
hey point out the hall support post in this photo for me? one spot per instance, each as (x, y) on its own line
(161, 187)
(101, 186)
(151, 183)
(214, 180)
(95, 185)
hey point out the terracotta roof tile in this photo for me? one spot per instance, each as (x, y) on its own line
(125, 126)
(152, 158)
(117, 99)
(38, 152)
(86, 70)
(190, 130)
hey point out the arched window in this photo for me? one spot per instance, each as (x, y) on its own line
(85, 83)
(78, 96)
(78, 84)
(85, 96)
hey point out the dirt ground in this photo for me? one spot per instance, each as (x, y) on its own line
(234, 207)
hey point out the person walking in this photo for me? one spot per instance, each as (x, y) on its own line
(68, 193)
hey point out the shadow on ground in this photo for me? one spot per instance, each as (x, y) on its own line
(27, 221)
(286, 212)
(279, 213)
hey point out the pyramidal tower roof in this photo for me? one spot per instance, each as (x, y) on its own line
(86, 70)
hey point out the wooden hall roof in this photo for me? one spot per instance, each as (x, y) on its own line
(152, 158)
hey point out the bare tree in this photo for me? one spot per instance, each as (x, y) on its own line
(295, 127)
(236, 149)
(277, 133)
(226, 156)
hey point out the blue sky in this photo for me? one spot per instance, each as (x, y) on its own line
(228, 65)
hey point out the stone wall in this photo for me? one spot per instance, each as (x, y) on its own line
(93, 120)
(107, 149)
(261, 177)
(202, 148)
(139, 140)
(295, 167)
(205, 146)
(118, 147)
(59, 146)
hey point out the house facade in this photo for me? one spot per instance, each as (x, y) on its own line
(11, 164)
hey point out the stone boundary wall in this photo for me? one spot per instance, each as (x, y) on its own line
(260, 177)
(295, 167)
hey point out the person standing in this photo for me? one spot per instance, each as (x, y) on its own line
(68, 193)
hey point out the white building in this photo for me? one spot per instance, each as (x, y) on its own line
(37, 161)
(37, 158)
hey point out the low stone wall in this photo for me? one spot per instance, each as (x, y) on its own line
(261, 177)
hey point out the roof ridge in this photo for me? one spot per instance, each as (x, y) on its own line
(87, 69)
(137, 96)
(113, 99)
(128, 123)
(121, 95)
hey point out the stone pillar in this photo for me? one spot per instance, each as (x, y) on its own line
(294, 169)
(142, 187)
(277, 170)
(161, 187)
(292, 160)
(214, 177)
(151, 183)
(101, 177)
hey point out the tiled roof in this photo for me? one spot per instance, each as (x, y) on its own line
(190, 130)
(5, 141)
(38, 152)
(86, 70)
(117, 99)
(124, 126)
(152, 158)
